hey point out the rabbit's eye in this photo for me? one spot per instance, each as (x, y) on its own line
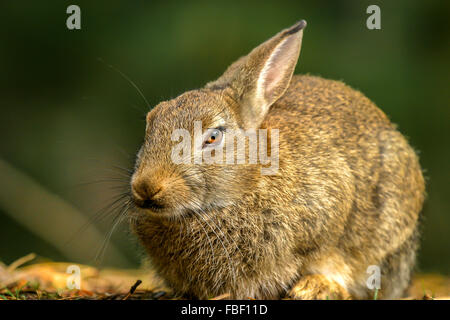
(213, 137)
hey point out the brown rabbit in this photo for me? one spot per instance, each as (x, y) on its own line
(346, 196)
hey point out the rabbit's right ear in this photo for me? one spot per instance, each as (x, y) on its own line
(263, 76)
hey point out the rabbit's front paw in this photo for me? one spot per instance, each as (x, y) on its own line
(317, 287)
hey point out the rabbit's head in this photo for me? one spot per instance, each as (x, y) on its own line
(180, 167)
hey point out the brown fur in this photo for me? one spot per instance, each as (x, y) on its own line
(347, 194)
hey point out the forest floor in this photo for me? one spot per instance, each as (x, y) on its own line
(23, 280)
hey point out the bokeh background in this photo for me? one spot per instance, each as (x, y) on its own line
(67, 118)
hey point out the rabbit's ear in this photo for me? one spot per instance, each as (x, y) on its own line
(263, 76)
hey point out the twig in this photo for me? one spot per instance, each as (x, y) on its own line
(221, 297)
(13, 266)
(132, 289)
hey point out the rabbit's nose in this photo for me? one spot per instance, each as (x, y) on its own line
(145, 195)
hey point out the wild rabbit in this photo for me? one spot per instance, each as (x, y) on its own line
(346, 194)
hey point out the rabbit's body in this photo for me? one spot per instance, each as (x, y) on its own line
(347, 195)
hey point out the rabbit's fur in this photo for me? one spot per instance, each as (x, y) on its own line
(347, 194)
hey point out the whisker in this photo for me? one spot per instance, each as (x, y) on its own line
(223, 246)
(121, 174)
(99, 215)
(225, 236)
(206, 233)
(116, 221)
(116, 169)
(127, 79)
(127, 170)
(111, 180)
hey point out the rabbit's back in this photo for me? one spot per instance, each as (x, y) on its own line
(359, 186)
(341, 110)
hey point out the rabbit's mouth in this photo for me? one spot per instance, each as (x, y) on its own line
(149, 204)
(152, 205)
(158, 209)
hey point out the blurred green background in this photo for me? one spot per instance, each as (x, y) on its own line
(66, 118)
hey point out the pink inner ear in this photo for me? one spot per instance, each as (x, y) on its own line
(278, 69)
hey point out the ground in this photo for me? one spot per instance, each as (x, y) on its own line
(24, 279)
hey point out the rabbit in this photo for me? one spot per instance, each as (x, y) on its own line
(347, 194)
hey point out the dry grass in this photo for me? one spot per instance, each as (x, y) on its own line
(49, 281)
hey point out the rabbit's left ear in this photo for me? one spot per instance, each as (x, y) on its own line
(262, 77)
